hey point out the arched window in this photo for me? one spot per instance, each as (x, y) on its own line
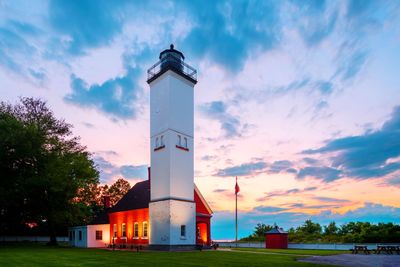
(145, 230)
(136, 230)
(123, 230)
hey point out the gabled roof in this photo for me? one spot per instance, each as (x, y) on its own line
(276, 230)
(196, 190)
(138, 197)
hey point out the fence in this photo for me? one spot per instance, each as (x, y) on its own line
(31, 238)
(323, 246)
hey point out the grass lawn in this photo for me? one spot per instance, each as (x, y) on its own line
(297, 251)
(38, 255)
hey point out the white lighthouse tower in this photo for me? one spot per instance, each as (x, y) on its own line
(172, 210)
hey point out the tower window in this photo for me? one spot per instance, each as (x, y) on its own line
(185, 142)
(157, 143)
(162, 140)
(183, 231)
(179, 140)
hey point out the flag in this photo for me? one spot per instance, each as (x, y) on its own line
(237, 188)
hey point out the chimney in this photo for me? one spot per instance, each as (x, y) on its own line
(106, 202)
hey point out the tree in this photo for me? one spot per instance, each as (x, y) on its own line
(310, 228)
(117, 190)
(259, 232)
(43, 168)
(331, 229)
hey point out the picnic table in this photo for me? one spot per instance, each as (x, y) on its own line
(359, 248)
(388, 249)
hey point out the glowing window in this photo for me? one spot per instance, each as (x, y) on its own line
(136, 230)
(145, 229)
(99, 235)
(123, 230)
(115, 230)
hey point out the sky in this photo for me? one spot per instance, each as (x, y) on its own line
(298, 99)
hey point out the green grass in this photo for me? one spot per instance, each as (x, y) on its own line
(63, 256)
(296, 251)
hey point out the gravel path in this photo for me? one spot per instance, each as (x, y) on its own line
(356, 260)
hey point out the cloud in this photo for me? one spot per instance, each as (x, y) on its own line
(284, 193)
(115, 97)
(220, 190)
(109, 170)
(280, 166)
(246, 169)
(315, 21)
(330, 199)
(221, 34)
(327, 174)
(217, 110)
(85, 24)
(131, 171)
(268, 209)
(362, 156)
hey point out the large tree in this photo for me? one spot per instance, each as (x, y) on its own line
(43, 168)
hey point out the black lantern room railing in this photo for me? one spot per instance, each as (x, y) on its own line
(171, 59)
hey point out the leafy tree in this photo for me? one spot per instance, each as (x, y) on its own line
(259, 232)
(117, 190)
(310, 228)
(43, 168)
(331, 229)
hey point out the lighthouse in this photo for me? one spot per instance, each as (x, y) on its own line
(172, 208)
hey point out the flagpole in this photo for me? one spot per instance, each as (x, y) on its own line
(236, 222)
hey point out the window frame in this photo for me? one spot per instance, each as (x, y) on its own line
(183, 231)
(136, 230)
(115, 230)
(123, 230)
(99, 234)
(145, 233)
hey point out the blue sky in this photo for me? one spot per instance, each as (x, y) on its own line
(299, 99)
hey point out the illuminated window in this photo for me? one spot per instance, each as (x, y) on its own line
(145, 230)
(136, 230)
(183, 231)
(115, 230)
(185, 142)
(123, 230)
(99, 235)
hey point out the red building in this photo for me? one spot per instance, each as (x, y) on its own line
(276, 238)
(129, 218)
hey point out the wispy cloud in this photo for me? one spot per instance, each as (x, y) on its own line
(217, 110)
(246, 169)
(363, 156)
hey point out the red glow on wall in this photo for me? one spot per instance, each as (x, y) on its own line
(130, 217)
